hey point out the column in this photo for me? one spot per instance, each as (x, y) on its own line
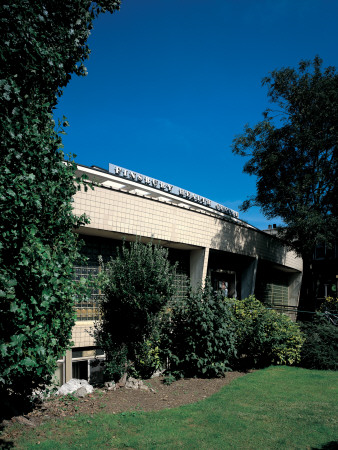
(294, 292)
(68, 362)
(198, 266)
(248, 280)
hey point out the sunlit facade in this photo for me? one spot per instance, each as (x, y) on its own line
(205, 238)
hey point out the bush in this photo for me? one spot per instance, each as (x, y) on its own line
(136, 286)
(265, 336)
(330, 307)
(320, 349)
(148, 358)
(199, 335)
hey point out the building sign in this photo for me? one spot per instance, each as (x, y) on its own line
(166, 187)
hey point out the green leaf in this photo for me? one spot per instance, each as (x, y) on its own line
(13, 307)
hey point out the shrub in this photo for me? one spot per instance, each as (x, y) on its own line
(329, 308)
(320, 349)
(265, 336)
(148, 358)
(136, 286)
(199, 335)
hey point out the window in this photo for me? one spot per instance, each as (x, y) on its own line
(87, 364)
(87, 309)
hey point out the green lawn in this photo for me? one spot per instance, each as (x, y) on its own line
(279, 408)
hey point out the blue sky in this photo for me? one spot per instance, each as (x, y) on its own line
(171, 82)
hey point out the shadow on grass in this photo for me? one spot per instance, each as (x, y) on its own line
(12, 406)
(333, 445)
(4, 444)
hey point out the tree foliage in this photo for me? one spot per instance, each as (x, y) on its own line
(43, 43)
(320, 349)
(199, 335)
(265, 336)
(293, 154)
(136, 285)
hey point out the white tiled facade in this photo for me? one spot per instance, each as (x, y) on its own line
(119, 212)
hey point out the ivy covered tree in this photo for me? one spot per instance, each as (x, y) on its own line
(43, 42)
(293, 153)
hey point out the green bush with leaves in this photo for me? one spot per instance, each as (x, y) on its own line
(199, 335)
(320, 349)
(329, 305)
(265, 336)
(43, 43)
(137, 284)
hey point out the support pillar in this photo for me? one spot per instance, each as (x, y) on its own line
(294, 293)
(248, 280)
(198, 266)
(68, 363)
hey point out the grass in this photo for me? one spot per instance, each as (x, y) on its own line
(275, 408)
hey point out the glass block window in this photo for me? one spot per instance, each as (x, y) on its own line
(93, 247)
(87, 309)
(181, 282)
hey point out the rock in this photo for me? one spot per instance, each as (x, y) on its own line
(110, 386)
(6, 423)
(133, 383)
(158, 373)
(81, 392)
(23, 421)
(123, 380)
(73, 385)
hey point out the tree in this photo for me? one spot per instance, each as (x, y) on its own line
(293, 154)
(43, 44)
(199, 335)
(137, 284)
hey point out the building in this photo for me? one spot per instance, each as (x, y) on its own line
(324, 269)
(205, 238)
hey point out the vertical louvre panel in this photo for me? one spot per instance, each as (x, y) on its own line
(274, 294)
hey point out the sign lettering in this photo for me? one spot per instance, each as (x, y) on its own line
(148, 181)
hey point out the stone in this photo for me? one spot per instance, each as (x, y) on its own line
(81, 392)
(23, 421)
(132, 383)
(73, 385)
(158, 373)
(123, 380)
(6, 423)
(110, 386)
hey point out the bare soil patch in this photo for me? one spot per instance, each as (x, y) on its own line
(160, 396)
